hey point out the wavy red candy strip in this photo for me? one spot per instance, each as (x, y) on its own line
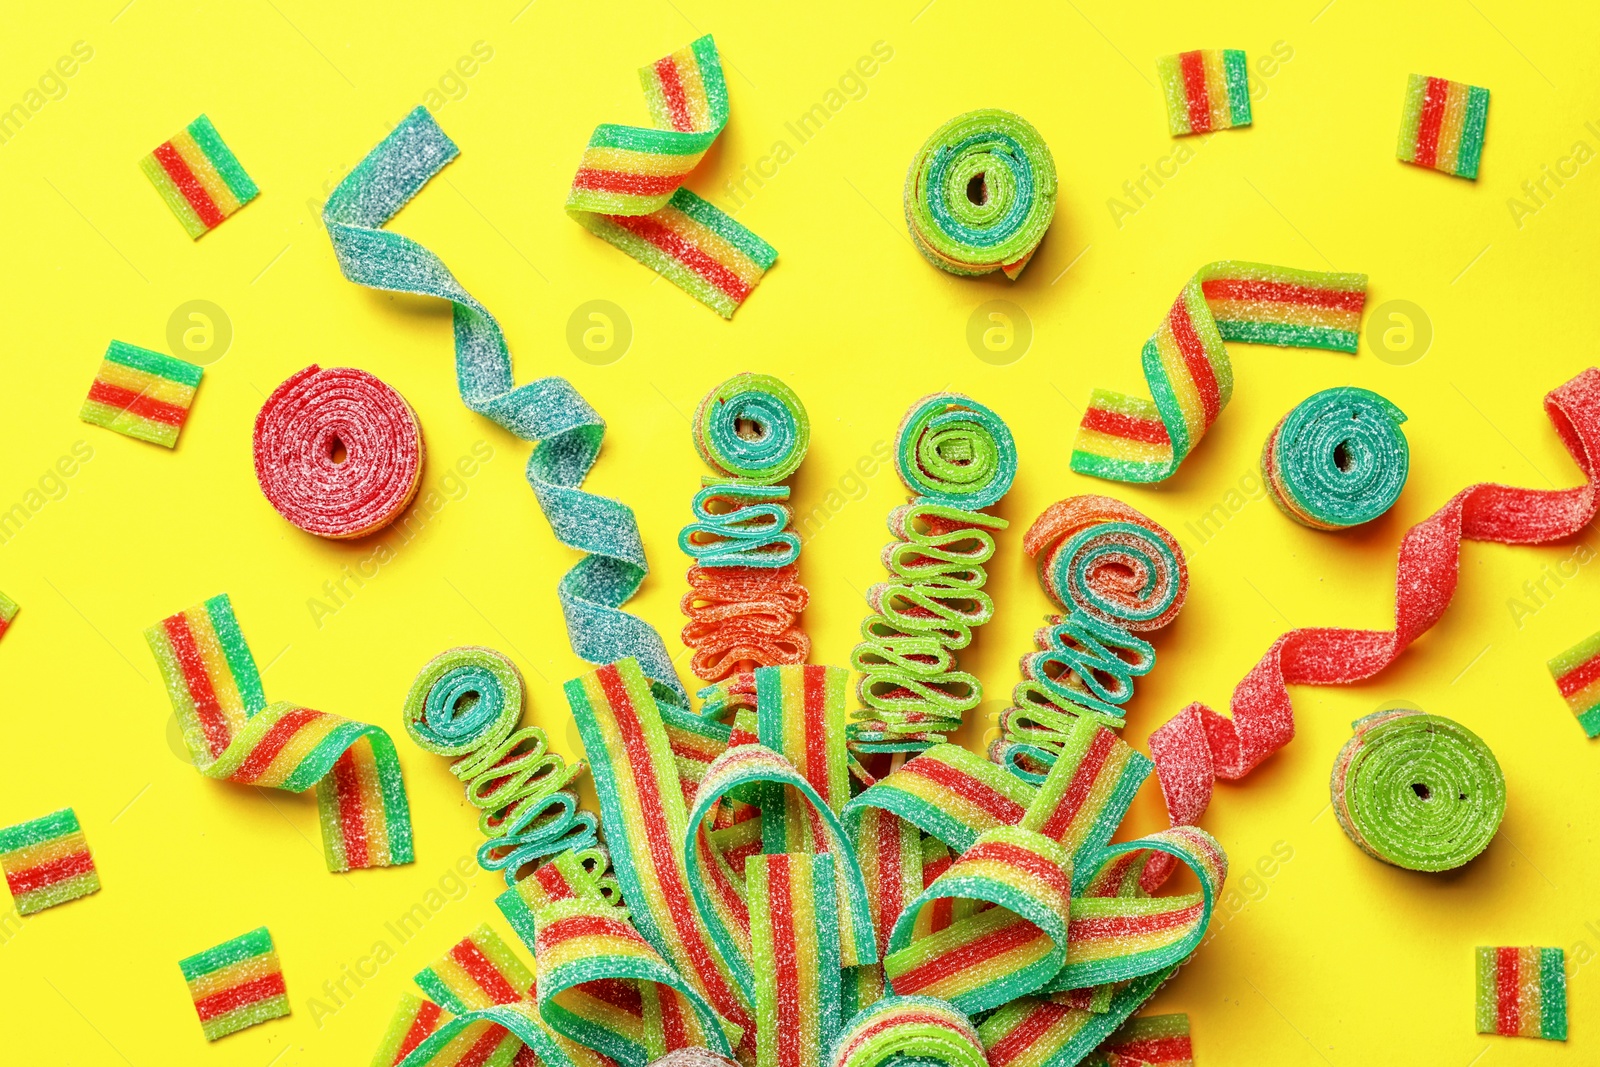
(1198, 746)
(740, 616)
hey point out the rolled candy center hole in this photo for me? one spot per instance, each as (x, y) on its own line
(1341, 456)
(336, 450)
(749, 429)
(1422, 790)
(978, 189)
(465, 701)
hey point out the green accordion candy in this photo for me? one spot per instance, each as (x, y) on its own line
(1417, 791)
(1339, 459)
(981, 193)
(752, 428)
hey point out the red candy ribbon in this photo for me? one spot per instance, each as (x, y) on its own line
(1198, 746)
(338, 453)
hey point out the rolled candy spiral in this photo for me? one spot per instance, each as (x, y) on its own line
(952, 450)
(752, 428)
(1338, 459)
(1109, 561)
(337, 452)
(1417, 791)
(981, 193)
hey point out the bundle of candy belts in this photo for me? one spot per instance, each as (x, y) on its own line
(778, 879)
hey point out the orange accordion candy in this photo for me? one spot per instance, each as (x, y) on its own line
(338, 453)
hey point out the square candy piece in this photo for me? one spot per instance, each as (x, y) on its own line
(1206, 90)
(1577, 675)
(142, 394)
(47, 862)
(1522, 992)
(237, 984)
(198, 177)
(1442, 125)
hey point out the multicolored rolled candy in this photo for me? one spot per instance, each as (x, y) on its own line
(1522, 992)
(467, 703)
(1206, 90)
(956, 457)
(142, 394)
(198, 177)
(1129, 439)
(1442, 124)
(46, 862)
(236, 985)
(8, 613)
(1337, 460)
(745, 596)
(1418, 791)
(629, 188)
(233, 734)
(1577, 675)
(980, 194)
(338, 453)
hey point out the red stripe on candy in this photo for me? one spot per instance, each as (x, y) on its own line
(674, 1032)
(1194, 358)
(1579, 677)
(1129, 427)
(972, 954)
(484, 1047)
(1033, 1026)
(188, 184)
(672, 92)
(49, 873)
(1283, 293)
(1194, 89)
(621, 181)
(1156, 1050)
(783, 951)
(1432, 119)
(1077, 791)
(889, 1021)
(426, 1022)
(272, 742)
(1003, 808)
(352, 818)
(1102, 926)
(484, 973)
(684, 252)
(239, 996)
(198, 683)
(1031, 863)
(146, 407)
(1508, 1007)
(891, 893)
(813, 678)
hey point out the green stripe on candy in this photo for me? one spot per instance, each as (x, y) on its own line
(162, 366)
(1552, 995)
(1236, 73)
(753, 429)
(241, 664)
(257, 942)
(172, 196)
(1417, 791)
(222, 157)
(1472, 129)
(652, 141)
(725, 226)
(49, 896)
(1288, 335)
(1337, 460)
(1411, 117)
(37, 831)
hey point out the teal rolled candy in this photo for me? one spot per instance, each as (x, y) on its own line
(1337, 460)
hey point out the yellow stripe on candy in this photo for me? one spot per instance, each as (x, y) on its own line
(1455, 117)
(217, 668)
(305, 740)
(46, 851)
(233, 974)
(694, 88)
(1123, 448)
(1216, 89)
(205, 173)
(1286, 313)
(652, 164)
(712, 243)
(151, 386)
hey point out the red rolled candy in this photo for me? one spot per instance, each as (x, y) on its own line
(338, 453)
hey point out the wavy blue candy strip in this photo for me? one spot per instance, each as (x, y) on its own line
(566, 430)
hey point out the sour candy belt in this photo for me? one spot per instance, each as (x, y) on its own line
(980, 194)
(234, 735)
(745, 596)
(629, 187)
(1339, 459)
(1441, 125)
(921, 1030)
(198, 177)
(46, 862)
(1206, 90)
(467, 704)
(794, 946)
(956, 457)
(338, 453)
(237, 984)
(1130, 439)
(1419, 791)
(142, 394)
(1198, 746)
(1148, 1041)
(548, 411)
(1522, 992)
(1577, 675)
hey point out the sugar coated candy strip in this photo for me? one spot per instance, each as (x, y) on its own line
(8, 613)
(237, 984)
(923, 1030)
(1130, 439)
(1577, 675)
(956, 457)
(142, 394)
(466, 703)
(479, 970)
(1337, 460)
(1419, 791)
(629, 188)
(751, 429)
(414, 1020)
(800, 714)
(1147, 1041)
(1522, 992)
(233, 734)
(981, 193)
(794, 947)
(338, 453)
(549, 411)
(1198, 746)
(198, 177)
(1033, 1031)
(1441, 125)
(46, 862)
(1206, 90)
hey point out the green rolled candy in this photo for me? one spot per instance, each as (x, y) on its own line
(1339, 459)
(752, 429)
(952, 450)
(1417, 791)
(980, 194)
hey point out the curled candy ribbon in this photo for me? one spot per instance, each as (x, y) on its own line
(1129, 439)
(549, 411)
(235, 735)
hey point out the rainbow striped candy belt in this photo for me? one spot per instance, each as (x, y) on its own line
(234, 735)
(864, 927)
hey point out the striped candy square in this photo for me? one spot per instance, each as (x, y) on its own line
(1522, 992)
(1442, 125)
(1206, 90)
(8, 611)
(142, 394)
(198, 177)
(47, 862)
(1577, 675)
(237, 984)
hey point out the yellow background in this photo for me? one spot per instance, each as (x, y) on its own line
(1329, 958)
